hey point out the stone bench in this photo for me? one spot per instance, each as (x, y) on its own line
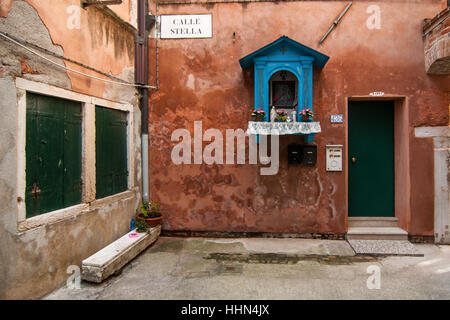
(113, 257)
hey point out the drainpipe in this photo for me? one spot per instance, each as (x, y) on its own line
(141, 77)
(144, 149)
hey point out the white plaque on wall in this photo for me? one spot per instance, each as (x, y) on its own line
(337, 118)
(186, 26)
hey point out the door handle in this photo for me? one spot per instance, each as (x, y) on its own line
(353, 160)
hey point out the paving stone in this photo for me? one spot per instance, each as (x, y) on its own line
(384, 247)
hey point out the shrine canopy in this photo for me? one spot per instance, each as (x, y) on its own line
(285, 44)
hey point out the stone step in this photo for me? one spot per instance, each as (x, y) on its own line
(372, 222)
(113, 257)
(376, 233)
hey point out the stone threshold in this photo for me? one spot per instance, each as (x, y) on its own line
(376, 233)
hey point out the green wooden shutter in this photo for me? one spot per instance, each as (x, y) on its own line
(72, 186)
(111, 151)
(53, 154)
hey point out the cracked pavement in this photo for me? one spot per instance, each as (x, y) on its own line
(261, 268)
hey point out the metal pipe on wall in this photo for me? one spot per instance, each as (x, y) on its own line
(336, 22)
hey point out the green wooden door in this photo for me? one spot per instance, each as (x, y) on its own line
(371, 159)
(53, 154)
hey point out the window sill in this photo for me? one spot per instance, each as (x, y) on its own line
(51, 217)
(125, 195)
(72, 212)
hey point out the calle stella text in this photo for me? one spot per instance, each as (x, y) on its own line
(187, 26)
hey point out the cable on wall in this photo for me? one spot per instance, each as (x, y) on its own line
(72, 70)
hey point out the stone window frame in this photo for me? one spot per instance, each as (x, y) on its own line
(88, 173)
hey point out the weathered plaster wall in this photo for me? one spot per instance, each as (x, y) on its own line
(16, 61)
(201, 79)
(100, 41)
(35, 261)
(127, 11)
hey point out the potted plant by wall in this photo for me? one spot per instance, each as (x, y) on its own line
(281, 116)
(148, 212)
(258, 114)
(306, 114)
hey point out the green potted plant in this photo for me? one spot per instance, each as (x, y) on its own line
(141, 226)
(148, 212)
(258, 114)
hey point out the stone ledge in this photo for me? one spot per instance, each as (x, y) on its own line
(113, 257)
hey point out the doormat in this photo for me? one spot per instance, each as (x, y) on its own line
(385, 247)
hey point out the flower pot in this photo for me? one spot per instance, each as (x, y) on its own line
(306, 119)
(151, 222)
(258, 119)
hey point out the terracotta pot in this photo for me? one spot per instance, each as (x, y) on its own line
(306, 119)
(151, 222)
(258, 119)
